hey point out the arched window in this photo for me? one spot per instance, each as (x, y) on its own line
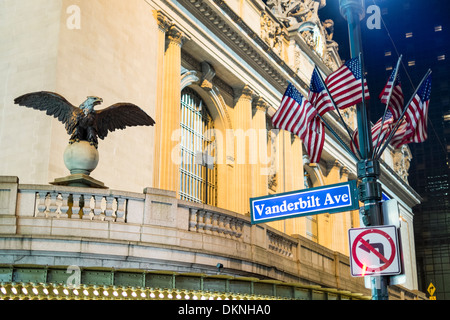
(198, 173)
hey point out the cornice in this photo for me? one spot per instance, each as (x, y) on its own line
(233, 31)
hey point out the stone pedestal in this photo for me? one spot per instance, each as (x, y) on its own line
(81, 159)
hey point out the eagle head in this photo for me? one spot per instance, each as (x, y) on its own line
(88, 105)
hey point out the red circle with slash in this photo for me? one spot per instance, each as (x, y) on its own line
(387, 262)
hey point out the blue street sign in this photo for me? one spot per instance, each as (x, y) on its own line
(332, 198)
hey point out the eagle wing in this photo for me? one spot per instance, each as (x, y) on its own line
(119, 116)
(54, 104)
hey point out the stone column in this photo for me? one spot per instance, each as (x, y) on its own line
(298, 181)
(163, 26)
(242, 168)
(261, 168)
(170, 113)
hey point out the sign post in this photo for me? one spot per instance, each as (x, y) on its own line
(332, 198)
(368, 167)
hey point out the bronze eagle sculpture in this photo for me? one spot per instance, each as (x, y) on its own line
(83, 122)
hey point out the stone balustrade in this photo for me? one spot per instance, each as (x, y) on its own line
(153, 230)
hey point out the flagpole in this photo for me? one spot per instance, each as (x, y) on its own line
(388, 140)
(344, 145)
(374, 155)
(367, 146)
(339, 113)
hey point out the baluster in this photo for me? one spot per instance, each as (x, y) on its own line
(98, 211)
(233, 231)
(226, 224)
(41, 206)
(52, 207)
(239, 228)
(65, 205)
(76, 206)
(193, 219)
(87, 211)
(208, 222)
(221, 228)
(215, 223)
(201, 221)
(121, 209)
(110, 212)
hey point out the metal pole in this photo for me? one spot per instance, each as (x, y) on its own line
(368, 169)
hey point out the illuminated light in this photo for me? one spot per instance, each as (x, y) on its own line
(55, 291)
(95, 292)
(134, 294)
(3, 290)
(115, 293)
(143, 295)
(187, 297)
(85, 292)
(178, 296)
(170, 296)
(195, 297)
(124, 294)
(202, 298)
(409, 35)
(45, 290)
(152, 295)
(35, 291)
(24, 290)
(14, 290)
(65, 291)
(161, 295)
(364, 270)
(105, 293)
(75, 292)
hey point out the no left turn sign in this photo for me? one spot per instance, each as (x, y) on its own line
(374, 251)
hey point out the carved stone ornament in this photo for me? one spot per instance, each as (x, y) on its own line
(292, 12)
(402, 160)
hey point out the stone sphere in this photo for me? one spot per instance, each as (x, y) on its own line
(81, 157)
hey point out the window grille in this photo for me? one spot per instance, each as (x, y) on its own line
(198, 172)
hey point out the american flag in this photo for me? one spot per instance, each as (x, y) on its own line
(375, 131)
(295, 112)
(385, 130)
(417, 112)
(298, 116)
(345, 84)
(397, 98)
(318, 94)
(314, 140)
(402, 134)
